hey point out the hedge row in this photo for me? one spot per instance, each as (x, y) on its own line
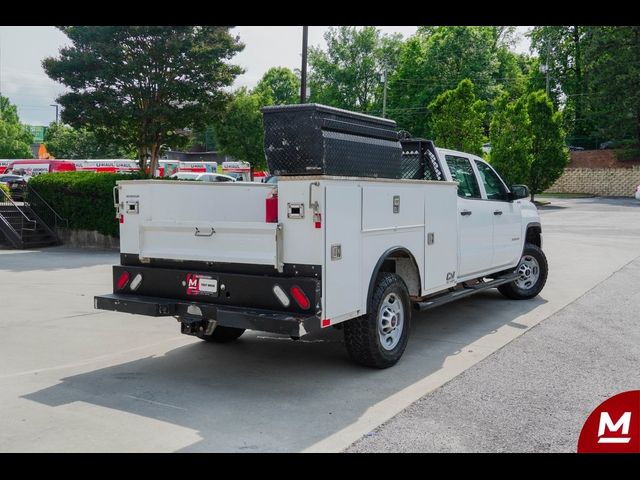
(83, 198)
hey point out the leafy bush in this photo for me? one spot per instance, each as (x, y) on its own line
(83, 198)
(6, 190)
(627, 150)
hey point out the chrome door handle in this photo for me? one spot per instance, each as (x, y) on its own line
(498, 212)
(465, 213)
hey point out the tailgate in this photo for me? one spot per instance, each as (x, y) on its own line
(198, 221)
(228, 242)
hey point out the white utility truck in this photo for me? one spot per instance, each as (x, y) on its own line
(311, 251)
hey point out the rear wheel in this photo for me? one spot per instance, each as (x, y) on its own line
(532, 271)
(379, 338)
(223, 334)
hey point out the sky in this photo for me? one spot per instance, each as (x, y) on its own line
(27, 86)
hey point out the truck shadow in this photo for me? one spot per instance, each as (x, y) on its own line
(269, 393)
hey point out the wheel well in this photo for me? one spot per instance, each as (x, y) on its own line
(401, 262)
(533, 235)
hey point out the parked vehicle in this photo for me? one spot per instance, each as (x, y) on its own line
(4, 163)
(17, 185)
(31, 168)
(241, 171)
(202, 177)
(107, 165)
(320, 250)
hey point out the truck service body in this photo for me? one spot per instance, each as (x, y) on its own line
(316, 251)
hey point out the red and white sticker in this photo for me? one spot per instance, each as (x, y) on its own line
(198, 284)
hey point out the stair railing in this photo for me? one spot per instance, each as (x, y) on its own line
(25, 222)
(45, 211)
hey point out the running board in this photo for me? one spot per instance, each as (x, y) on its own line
(450, 297)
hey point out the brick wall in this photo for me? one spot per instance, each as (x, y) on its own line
(615, 182)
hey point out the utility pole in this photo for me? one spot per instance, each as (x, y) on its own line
(384, 96)
(303, 70)
(55, 105)
(547, 69)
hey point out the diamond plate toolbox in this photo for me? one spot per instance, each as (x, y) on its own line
(313, 139)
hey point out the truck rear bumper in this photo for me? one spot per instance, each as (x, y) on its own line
(292, 324)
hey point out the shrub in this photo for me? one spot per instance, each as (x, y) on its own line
(6, 190)
(83, 198)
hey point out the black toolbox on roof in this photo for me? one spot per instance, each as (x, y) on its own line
(313, 139)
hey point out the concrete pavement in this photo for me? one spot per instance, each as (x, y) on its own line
(534, 394)
(76, 379)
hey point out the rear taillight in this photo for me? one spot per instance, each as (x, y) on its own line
(281, 295)
(271, 207)
(300, 298)
(122, 280)
(135, 283)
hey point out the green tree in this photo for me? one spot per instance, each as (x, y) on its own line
(511, 141)
(561, 48)
(142, 84)
(549, 153)
(436, 59)
(238, 130)
(614, 86)
(15, 139)
(457, 119)
(63, 141)
(281, 85)
(349, 74)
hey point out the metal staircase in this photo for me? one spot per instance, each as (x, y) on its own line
(21, 227)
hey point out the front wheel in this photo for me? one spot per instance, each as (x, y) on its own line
(379, 338)
(532, 275)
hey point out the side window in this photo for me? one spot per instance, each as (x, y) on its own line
(462, 172)
(492, 184)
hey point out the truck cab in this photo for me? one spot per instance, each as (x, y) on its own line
(492, 224)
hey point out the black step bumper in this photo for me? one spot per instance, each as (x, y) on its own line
(286, 323)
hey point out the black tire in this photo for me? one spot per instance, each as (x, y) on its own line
(515, 292)
(223, 334)
(361, 336)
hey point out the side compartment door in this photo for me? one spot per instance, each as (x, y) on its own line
(342, 275)
(441, 239)
(506, 217)
(475, 219)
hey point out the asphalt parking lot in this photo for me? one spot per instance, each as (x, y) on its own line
(76, 379)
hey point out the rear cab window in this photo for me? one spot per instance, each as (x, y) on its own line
(462, 172)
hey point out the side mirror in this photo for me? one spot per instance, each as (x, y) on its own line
(518, 192)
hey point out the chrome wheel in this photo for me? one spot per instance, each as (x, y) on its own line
(390, 321)
(529, 272)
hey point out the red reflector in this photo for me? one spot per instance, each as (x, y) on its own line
(300, 298)
(271, 208)
(123, 280)
(326, 322)
(317, 219)
(121, 218)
